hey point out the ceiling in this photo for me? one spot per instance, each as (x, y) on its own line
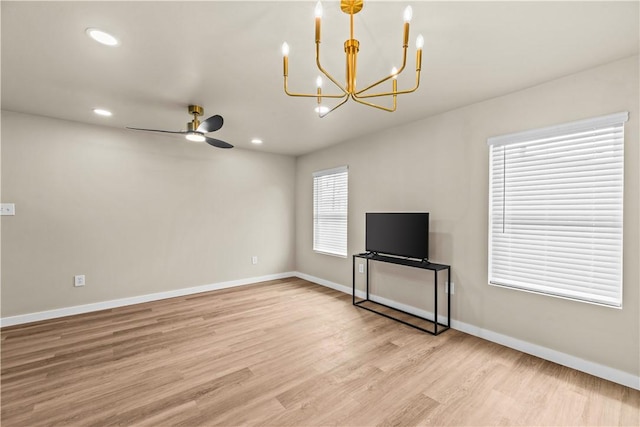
(226, 57)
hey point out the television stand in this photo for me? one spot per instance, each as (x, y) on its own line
(394, 313)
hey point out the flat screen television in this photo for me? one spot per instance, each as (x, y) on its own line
(404, 234)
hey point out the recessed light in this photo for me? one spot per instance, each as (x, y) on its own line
(256, 141)
(321, 109)
(102, 112)
(102, 37)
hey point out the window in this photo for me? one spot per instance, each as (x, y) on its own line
(330, 197)
(555, 210)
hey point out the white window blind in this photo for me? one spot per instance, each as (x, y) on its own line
(330, 200)
(555, 210)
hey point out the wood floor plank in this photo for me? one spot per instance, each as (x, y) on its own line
(283, 352)
(411, 411)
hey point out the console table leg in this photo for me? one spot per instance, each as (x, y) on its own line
(367, 279)
(435, 304)
(353, 280)
(449, 297)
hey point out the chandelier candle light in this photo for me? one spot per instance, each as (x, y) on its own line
(351, 48)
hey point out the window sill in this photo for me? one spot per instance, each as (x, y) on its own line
(330, 254)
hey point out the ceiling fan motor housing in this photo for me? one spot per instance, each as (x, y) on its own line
(196, 111)
(192, 126)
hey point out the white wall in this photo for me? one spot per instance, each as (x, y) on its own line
(137, 213)
(440, 165)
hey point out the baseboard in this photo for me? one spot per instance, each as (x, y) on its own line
(592, 368)
(87, 308)
(328, 284)
(573, 362)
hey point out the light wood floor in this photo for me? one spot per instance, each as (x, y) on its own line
(285, 352)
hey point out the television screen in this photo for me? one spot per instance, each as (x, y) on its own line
(398, 233)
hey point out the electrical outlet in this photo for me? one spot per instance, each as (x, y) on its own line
(453, 288)
(254, 260)
(78, 280)
(361, 268)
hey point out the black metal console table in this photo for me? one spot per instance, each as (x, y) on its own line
(425, 265)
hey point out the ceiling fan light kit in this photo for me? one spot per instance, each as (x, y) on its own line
(196, 129)
(195, 137)
(351, 49)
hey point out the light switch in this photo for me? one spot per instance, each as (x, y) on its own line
(7, 208)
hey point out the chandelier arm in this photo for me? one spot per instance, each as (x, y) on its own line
(380, 107)
(329, 76)
(375, 95)
(404, 63)
(334, 108)
(318, 38)
(401, 92)
(308, 95)
(344, 95)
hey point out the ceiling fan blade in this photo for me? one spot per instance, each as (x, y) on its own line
(212, 124)
(217, 143)
(158, 130)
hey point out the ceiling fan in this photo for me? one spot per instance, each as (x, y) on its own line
(196, 129)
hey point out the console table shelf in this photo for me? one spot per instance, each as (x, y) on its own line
(425, 265)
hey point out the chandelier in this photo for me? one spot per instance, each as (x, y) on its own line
(351, 48)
